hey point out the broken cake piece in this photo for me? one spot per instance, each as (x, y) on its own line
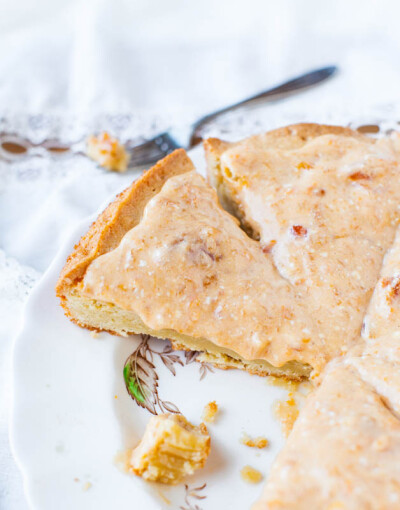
(171, 449)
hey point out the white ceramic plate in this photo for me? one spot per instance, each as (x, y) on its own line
(72, 415)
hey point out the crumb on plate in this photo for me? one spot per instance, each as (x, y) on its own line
(256, 442)
(286, 411)
(210, 412)
(250, 475)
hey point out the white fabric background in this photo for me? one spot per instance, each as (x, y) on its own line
(184, 57)
(163, 63)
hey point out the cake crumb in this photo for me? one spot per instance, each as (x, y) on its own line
(286, 411)
(108, 152)
(86, 486)
(94, 334)
(256, 442)
(210, 412)
(250, 475)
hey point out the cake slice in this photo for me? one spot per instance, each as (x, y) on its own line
(165, 259)
(344, 448)
(322, 201)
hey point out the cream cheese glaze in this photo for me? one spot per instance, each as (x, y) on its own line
(344, 449)
(343, 452)
(189, 267)
(327, 210)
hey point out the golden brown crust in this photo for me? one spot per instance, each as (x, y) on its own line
(120, 216)
(215, 147)
(307, 130)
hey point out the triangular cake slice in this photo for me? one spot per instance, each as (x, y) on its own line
(323, 201)
(167, 260)
(344, 449)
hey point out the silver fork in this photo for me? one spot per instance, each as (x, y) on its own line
(164, 143)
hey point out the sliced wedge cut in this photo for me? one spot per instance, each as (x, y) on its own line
(165, 259)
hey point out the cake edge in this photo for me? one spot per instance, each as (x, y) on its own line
(122, 214)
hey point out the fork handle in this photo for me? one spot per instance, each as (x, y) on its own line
(276, 93)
